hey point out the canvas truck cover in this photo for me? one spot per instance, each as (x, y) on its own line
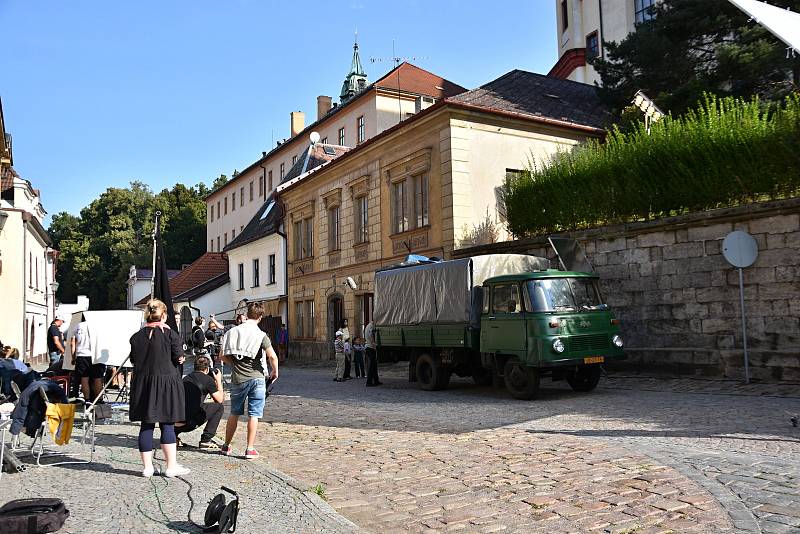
(445, 292)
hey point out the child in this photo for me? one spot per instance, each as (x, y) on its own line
(358, 350)
(338, 346)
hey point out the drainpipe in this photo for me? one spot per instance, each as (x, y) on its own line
(602, 33)
(25, 267)
(285, 259)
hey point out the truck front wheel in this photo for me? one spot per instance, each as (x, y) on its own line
(522, 382)
(431, 375)
(584, 378)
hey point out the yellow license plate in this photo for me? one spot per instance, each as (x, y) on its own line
(594, 359)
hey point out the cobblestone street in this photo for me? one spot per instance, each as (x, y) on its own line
(636, 455)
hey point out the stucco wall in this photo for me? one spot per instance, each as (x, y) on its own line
(261, 249)
(679, 299)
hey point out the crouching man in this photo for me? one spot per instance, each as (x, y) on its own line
(197, 385)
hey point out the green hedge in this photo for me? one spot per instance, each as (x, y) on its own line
(725, 153)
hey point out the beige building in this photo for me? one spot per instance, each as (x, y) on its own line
(364, 111)
(428, 186)
(582, 27)
(27, 265)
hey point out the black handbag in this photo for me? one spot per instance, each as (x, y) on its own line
(32, 516)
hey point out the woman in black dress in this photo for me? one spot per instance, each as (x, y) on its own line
(157, 390)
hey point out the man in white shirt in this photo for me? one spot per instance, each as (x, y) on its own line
(82, 345)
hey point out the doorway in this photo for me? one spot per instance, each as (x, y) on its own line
(335, 315)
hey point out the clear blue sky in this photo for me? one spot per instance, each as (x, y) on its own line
(99, 93)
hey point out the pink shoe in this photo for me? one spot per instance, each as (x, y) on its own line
(251, 454)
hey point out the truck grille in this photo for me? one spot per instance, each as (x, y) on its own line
(589, 342)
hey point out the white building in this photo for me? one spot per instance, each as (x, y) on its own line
(140, 280)
(66, 310)
(364, 111)
(582, 28)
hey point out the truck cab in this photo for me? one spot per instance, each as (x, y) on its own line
(544, 323)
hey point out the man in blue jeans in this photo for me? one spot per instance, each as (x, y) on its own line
(247, 349)
(55, 340)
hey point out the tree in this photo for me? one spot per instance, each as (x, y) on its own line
(696, 46)
(219, 182)
(113, 232)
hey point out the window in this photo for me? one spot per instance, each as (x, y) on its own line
(241, 276)
(364, 305)
(282, 169)
(410, 211)
(218, 210)
(302, 239)
(341, 135)
(256, 282)
(251, 189)
(233, 234)
(362, 219)
(270, 181)
(261, 185)
(334, 240)
(486, 292)
(565, 294)
(298, 318)
(233, 201)
(272, 268)
(294, 160)
(592, 46)
(241, 196)
(226, 239)
(211, 246)
(309, 313)
(211, 212)
(505, 299)
(218, 249)
(564, 16)
(324, 141)
(360, 129)
(226, 205)
(643, 10)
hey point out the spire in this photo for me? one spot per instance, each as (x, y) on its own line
(356, 79)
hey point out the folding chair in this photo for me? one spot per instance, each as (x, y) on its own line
(85, 418)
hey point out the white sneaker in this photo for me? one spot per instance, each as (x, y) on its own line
(147, 473)
(179, 471)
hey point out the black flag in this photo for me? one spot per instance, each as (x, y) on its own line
(161, 281)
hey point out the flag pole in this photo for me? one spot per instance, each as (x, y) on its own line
(153, 273)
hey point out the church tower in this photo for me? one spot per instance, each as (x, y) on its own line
(356, 79)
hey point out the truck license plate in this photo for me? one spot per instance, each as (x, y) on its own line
(594, 359)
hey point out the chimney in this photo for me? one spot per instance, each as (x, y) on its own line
(323, 106)
(298, 120)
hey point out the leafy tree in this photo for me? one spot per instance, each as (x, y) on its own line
(114, 232)
(219, 182)
(696, 46)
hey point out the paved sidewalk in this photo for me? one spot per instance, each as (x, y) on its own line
(110, 495)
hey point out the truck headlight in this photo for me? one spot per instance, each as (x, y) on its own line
(617, 340)
(558, 346)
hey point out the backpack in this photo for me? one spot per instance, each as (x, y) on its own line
(198, 337)
(32, 516)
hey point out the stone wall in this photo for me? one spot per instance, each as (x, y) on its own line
(678, 298)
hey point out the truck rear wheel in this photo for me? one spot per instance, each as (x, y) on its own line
(585, 378)
(522, 382)
(431, 375)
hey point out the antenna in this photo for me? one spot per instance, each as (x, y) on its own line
(397, 60)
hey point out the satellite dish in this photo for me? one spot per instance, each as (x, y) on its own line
(314, 138)
(740, 249)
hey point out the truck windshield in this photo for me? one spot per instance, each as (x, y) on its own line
(564, 294)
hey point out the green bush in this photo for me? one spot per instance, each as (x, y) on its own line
(725, 153)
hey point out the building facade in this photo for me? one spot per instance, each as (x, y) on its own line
(364, 111)
(582, 26)
(427, 186)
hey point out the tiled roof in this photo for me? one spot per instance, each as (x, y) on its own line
(7, 179)
(268, 218)
(206, 267)
(413, 79)
(147, 273)
(534, 95)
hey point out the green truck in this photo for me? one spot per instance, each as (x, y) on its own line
(499, 318)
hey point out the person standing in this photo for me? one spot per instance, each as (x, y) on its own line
(372, 356)
(346, 340)
(156, 389)
(82, 345)
(55, 340)
(248, 350)
(283, 343)
(338, 348)
(201, 382)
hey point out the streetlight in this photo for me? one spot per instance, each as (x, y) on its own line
(651, 112)
(53, 288)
